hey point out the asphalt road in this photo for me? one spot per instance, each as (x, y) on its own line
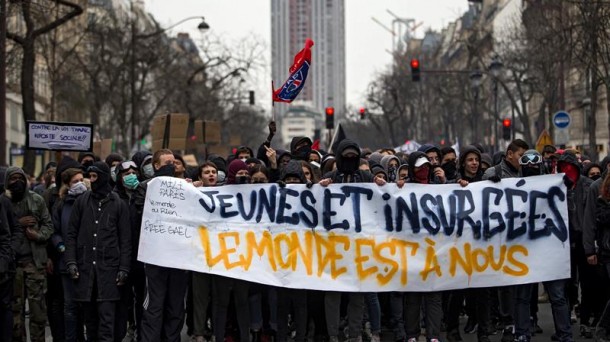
(545, 322)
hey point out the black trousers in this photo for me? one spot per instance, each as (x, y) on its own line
(99, 320)
(297, 299)
(222, 288)
(6, 307)
(164, 304)
(481, 309)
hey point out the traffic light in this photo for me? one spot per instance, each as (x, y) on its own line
(507, 127)
(251, 97)
(415, 76)
(362, 112)
(330, 117)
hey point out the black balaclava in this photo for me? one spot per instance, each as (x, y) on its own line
(101, 187)
(347, 165)
(168, 170)
(17, 189)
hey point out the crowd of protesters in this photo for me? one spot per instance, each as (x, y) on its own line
(69, 245)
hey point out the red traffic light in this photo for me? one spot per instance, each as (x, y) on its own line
(330, 111)
(362, 110)
(506, 123)
(415, 63)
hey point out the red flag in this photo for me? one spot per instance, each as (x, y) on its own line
(298, 74)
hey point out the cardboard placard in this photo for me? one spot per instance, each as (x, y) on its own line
(235, 140)
(212, 132)
(190, 160)
(169, 131)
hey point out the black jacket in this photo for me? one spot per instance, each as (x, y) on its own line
(358, 176)
(602, 216)
(577, 199)
(99, 241)
(7, 251)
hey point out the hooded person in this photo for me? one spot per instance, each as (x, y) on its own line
(378, 171)
(293, 173)
(469, 165)
(238, 173)
(112, 160)
(221, 165)
(434, 156)
(420, 168)
(486, 161)
(300, 148)
(143, 159)
(375, 157)
(348, 163)
(243, 153)
(99, 221)
(593, 171)
(87, 159)
(390, 165)
(31, 256)
(450, 163)
(532, 164)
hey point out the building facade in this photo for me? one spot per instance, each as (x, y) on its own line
(293, 21)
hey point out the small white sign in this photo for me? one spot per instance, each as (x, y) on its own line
(59, 136)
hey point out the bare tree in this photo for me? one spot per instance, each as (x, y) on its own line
(31, 14)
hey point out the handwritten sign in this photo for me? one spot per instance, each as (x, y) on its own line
(362, 237)
(59, 136)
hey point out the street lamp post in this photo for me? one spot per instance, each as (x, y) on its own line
(495, 68)
(134, 38)
(475, 82)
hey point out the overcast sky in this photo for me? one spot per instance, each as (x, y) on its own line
(366, 41)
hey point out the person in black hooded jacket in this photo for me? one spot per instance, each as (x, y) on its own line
(348, 162)
(98, 252)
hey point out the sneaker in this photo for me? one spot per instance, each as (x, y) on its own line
(454, 336)
(585, 331)
(435, 340)
(535, 328)
(508, 334)
(522, 338)
(470, 327)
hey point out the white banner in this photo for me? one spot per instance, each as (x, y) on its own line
(362, 237)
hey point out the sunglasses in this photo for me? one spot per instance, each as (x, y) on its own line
(530, 159)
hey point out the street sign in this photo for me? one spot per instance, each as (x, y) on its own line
(562, 119)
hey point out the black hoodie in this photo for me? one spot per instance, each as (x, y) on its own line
(294, 168)
(576, 199)
(303, 154)
(342, 174)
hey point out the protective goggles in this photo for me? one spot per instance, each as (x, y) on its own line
(530, 159)
(128, 164)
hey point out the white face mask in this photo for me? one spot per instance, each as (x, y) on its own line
(148, 170)
(77, 189)
(221, 176)
(244, 159)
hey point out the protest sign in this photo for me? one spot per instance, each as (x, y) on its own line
(362, 237)
(59, 136)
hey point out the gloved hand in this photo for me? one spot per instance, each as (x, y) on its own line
(73, 271)
(568, 182)
(121, 278)
(61, 247)
(309, 185)
(282, 184)
(495, 179)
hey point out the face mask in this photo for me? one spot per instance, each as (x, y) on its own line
(87, 164)
(77, 189)
(449, 168)
(244, 159)
(527, 171)
(131, 181)
(302, 153)
(148, 171)
(17, 190)
(221, 176)
(166, 170)
(348, 165)
(113, 173)
(242, 180)
(595, 177)
(391, 174)
(422, 174)
(571, 172)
